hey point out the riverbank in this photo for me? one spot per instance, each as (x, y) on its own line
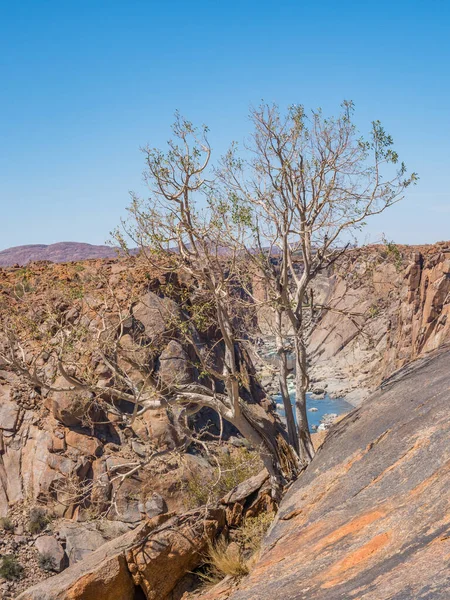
(338, 385)
(331, 395)
(325, 378)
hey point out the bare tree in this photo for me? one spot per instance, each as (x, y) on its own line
(306, 184)
(277, 220)
(181, 228)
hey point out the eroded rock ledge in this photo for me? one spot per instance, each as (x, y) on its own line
(151, 558)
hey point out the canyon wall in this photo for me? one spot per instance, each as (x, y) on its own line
(387, 305)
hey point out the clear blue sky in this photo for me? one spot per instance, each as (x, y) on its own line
(85, 83)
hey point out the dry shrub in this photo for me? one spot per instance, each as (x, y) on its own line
(47, 562)
(10, 568)
(38, 520)
(6, 524)
(232, 468)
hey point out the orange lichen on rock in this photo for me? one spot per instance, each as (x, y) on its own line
(353, 527)
(426, 483)
(358, 558)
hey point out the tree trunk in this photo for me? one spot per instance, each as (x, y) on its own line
(306, 448)
(284, 391)
(276, 454)
(253, 436)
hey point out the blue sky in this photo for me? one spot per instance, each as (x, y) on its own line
(84, 84)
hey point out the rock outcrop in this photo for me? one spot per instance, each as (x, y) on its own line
(70, 448)
(369, 518)
(152, 558)
(388, 305)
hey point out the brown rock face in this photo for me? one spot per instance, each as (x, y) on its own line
(175, 365)
(151, 559)
(57, 446)
(401, 303)
(64, 405)
(87, 445)
(156, 314)
(369, 518)
(161, 562)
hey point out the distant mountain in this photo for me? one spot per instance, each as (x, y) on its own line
(58, 253)
(70, 252)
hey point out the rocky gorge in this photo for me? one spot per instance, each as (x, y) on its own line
(386, 307)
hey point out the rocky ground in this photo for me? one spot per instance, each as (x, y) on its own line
(21, 545)
(157, 558)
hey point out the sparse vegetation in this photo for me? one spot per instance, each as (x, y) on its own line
(232, 468)
(6, 524)
(22, 288)
(10, 568)
(374, 311)
(393, 252)
(77, 292)
(38, 520)
(47, 562)
(236, 559)
(224, 560)
(251, 533)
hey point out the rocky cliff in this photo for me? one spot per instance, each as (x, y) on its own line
(386, 306)
(369, 519)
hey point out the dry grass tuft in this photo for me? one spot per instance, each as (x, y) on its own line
(236, 559)
(225, 560)
(252, 531)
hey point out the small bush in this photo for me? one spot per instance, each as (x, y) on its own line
(10, 568)
(393, 252)
(76, 293)
(250, 535)
(6, 524)
(374, 311)
(38, 520)
(47, 562)
(232, 469)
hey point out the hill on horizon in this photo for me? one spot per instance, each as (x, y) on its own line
(57, 253)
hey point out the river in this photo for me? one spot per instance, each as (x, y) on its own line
(324, 406)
